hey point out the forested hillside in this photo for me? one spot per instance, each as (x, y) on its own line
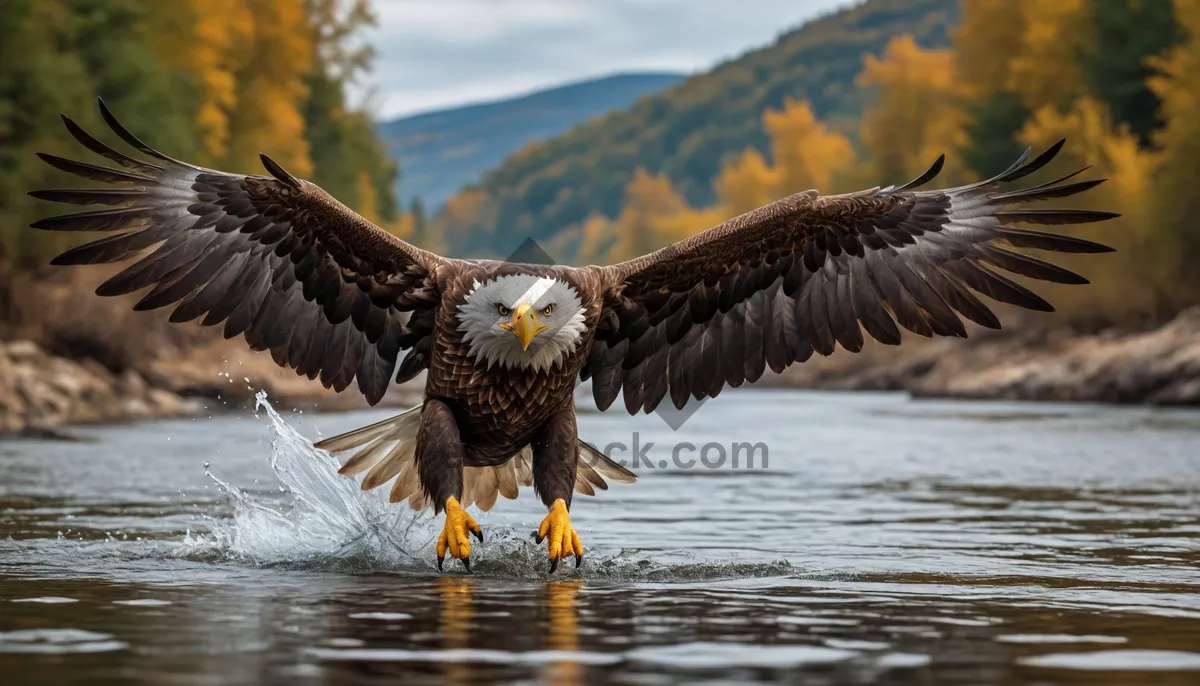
(210, 81)
(445, 150)
(688, 131)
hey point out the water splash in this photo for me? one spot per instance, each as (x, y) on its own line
(326, 521)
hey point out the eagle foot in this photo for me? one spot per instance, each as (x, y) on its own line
(455, 534)
(563, 541)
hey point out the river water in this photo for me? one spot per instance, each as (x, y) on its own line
(885, 540)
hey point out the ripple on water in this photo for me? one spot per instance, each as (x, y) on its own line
(387, 616)
(58, 641)
(1058, 638)
(705, 655)
(1119, 660)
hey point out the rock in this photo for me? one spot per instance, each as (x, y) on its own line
(41, 391)
(1160, 366)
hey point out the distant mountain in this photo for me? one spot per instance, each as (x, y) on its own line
(440, 152)
(687, 131)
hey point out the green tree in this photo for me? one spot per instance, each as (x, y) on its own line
(1125, 34)
(342, 141)
(57, 56)
(991, 129)
(419, 221)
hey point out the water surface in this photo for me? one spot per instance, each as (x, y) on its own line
(886, 539)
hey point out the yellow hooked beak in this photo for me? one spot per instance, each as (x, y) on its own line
(524, 324)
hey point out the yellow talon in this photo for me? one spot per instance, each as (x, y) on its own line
(454, 536)
(563, 541)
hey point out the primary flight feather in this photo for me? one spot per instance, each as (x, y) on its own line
(281, 262)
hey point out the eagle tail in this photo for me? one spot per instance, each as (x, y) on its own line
(387, 451)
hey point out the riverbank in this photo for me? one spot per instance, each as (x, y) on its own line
(42, 391)
(1159, 366)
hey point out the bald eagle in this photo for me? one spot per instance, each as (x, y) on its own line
(279, 261)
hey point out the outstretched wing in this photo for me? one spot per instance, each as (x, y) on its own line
(809, 272)
(275, 258)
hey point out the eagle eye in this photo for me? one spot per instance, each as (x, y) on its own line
(548, 310)
(504, 311)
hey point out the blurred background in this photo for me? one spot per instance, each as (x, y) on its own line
(603, 130)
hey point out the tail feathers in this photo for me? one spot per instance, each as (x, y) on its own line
(388, 451)
(603, 466)
(404, 424)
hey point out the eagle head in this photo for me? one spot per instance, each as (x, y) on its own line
(522, 321)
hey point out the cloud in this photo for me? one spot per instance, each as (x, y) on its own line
(433, 54)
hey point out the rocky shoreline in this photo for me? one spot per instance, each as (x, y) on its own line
(41, 391)
(1160, 366)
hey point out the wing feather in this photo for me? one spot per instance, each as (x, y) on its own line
(810, 273)
(273, 258)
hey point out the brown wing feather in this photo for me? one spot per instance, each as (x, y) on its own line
(273, 257)
(808, 273)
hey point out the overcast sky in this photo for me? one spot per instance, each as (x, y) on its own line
(440, 53)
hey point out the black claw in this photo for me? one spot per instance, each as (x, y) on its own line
(467, 564)
(553, 565)
(479, 535)
(440, 563)
(578, 561)
(537, 538)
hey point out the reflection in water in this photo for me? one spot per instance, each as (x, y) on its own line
(563, 631)
(455, 622)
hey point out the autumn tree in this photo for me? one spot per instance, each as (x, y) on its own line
(199, 38)
(806, 153)
(991, 31)
(746, 183)
(210, 81)
(649, 200)
(1143, 256)
(1177, 86)
(276, 56)
(915, 114)
(1045, 70)
(596, 240)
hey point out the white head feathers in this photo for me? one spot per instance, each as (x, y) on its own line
(487, 314)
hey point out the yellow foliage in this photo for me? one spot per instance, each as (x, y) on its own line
(463, 215)
(1178, 87)
(595, 240)
(1028, 47)
(278, 54)
(807, 154)
(1143, 257)
(199, 38)
(991, 31)
(368, 199)
(1045, 70)
(747, 183)
(916, 113)
(249, 58)
(649, 201)
(690, 222)
(402, 227)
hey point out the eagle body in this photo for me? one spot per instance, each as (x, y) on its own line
(499, 408)
(278, 261)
